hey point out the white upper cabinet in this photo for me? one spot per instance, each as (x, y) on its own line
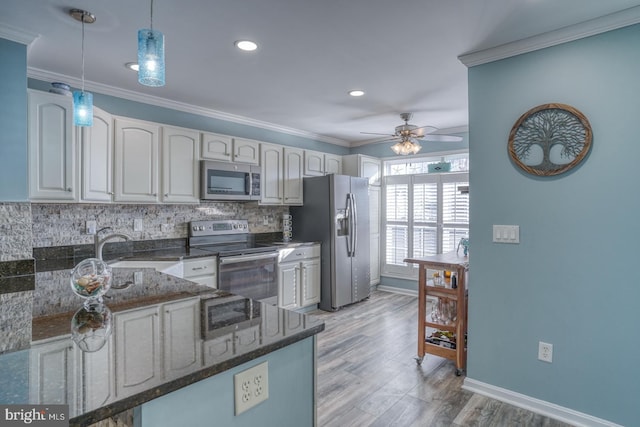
(281, 180)
(52, 148)
(96, 146)
(363, 166)
(230, 149)
(332, 164)
(318, 164)
(180, 172)
(271, 181)
(136, 161)
(216, 147)
(293, 168)
(313, 163)
(246, 151)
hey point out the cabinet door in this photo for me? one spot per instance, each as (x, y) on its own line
(310, 282)
(51, 373)
(246, 151)
(272, 325)
(216, 147)
(370, 167)
(332, 164)
(98, 372)
(52, 156)
(96, 144)
(374, 236)
(271, 179)
(182, 344)
(293, 162)
(137, 350)
(218, 349)
(313, 163)
(136, 161)
(288, 277)
(247, 339)
(180, 171)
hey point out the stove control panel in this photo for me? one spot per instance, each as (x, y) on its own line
(218, 227)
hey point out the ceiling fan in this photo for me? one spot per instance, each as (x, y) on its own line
(409, 136)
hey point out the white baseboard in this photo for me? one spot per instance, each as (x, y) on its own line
(538, 406)
(395, 290)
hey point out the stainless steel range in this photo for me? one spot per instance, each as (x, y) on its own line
(244, 268)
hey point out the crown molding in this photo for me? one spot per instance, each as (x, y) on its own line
(570, 33)
(17, 35)
(131, 95)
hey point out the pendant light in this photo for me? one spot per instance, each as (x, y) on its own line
(82, 101)
(406, 147)
(151, 56)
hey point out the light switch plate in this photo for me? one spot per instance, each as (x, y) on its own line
(138, 224)
(506, 234)
(90, 227)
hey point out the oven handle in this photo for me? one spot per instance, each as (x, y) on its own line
(244, 258)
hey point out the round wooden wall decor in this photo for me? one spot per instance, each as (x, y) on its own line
(550, 139)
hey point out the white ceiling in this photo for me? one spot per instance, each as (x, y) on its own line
(403, 53)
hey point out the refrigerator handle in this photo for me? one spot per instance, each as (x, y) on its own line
(354, 228)
(349, 226)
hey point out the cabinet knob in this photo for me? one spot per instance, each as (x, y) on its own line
(69, 189)
(110, 193)
(154, 194)
(166, 195)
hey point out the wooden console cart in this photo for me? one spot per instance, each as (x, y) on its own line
(454, 299)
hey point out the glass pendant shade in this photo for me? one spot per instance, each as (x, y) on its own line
(82, 108)
(151, 57)
(406, 147)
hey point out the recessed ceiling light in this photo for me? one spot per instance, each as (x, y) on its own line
(246, 45)
(133, 66)
(356, 92)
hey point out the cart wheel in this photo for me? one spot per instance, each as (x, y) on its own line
(458, 372)
(419, 360)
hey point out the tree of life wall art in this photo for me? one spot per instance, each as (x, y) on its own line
(550, 139)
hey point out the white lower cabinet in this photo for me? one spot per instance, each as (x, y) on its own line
(181, 338)
(299, 277)
(98, 375)
(217, 349)
(138, 359)
(52, 379)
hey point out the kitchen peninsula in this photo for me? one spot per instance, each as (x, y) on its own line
(172, 344)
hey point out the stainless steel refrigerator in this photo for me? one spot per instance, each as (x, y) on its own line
(336, 213)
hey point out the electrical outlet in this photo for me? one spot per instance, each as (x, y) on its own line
(90, 227)
(251, 387)
(545, 352)
(138, 278)
(138, 224)
(165, 228)
(265, 220)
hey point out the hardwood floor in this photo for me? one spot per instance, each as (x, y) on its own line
(367, 375)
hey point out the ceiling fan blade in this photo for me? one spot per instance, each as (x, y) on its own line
(423, 130)
(441, 138)
(374, 133)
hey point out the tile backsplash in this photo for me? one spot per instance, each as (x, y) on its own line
(16, 240)
(64, 224)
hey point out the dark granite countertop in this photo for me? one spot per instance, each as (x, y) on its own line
(158, 341)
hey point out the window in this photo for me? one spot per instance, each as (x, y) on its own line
(424, 214)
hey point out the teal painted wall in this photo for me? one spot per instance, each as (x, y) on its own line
(142, 111)
(210, 402)
(571, 281)
(13, 122)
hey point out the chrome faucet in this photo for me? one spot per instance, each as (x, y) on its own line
(99, 243)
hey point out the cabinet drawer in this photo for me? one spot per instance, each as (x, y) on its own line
(298, 253)
(199, 267)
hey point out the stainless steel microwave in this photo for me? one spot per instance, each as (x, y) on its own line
(229, 181)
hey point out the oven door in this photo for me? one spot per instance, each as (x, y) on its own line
(252, 276)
